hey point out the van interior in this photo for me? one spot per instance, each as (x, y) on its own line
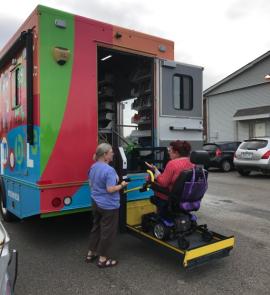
(125, 103)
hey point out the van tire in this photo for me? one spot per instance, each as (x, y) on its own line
(5, 214)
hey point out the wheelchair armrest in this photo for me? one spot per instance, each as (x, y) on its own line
(157, 188)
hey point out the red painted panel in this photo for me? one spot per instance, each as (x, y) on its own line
(77, 140)
(48, 195)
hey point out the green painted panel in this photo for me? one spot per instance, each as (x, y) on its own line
(54, 78)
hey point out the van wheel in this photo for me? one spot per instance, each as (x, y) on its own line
(6, 215)
(243, 172)
(226, 166)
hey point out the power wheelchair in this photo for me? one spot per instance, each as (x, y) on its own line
(178, 222)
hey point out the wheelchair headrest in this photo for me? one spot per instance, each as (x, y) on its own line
(199, 157)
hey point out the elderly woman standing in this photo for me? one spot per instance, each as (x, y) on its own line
(105, 195)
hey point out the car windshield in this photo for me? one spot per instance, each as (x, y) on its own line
(253, 144)
(209, 147)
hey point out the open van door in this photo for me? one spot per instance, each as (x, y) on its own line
(180, 103)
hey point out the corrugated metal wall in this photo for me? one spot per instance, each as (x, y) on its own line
(252, 76)
(222, 107)
(268, 128)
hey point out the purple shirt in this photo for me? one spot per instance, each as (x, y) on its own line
(101, 175)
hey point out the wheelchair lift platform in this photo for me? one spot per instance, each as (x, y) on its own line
(193, 244)
(198, 252)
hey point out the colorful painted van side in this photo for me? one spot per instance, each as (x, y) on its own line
(68, 82)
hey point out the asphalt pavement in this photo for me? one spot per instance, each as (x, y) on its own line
(51, 251)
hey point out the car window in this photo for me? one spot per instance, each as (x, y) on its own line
(224, 147)
(253, 144)
(233, 146)
(209, 147)
(230, 147)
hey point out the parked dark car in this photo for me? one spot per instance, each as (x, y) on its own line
(221, 154)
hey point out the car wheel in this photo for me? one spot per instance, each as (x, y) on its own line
(243, 172)
(161, 231)
(226, 166)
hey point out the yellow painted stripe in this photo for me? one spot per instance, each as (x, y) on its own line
(208, 249)
(156, 240)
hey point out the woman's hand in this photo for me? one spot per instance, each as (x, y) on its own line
(123, 184)
(151, 166)
(117, 188)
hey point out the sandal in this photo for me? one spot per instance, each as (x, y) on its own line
(107, 263)
(90, 258)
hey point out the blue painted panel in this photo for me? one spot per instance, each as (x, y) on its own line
(30, 201)
(22, 200)
(137, 180)
(20, 163)
(13, 197)
(82, 198)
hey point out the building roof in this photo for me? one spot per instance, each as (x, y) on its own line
(236, 73)
(252, 113)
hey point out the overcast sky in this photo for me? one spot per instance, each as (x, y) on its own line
(221, 36)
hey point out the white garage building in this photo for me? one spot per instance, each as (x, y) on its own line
(238, 107)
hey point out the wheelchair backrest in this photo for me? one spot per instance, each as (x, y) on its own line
(191, 185)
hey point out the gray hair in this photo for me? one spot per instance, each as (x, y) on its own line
(102, 149)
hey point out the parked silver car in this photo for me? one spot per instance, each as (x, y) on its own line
(253, 155)
(8, 264)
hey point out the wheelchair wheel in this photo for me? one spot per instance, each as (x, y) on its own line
(161, 231)
(207, 236)
(183, 243)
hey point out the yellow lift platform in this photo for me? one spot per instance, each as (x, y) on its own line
(198, 252)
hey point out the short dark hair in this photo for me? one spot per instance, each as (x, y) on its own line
(182, 147)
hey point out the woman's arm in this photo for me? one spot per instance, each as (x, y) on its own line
(116, 188)
(154, 168)
(165, 178)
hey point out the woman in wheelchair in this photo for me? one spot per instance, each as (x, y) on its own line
(178, 191)
(179, 152)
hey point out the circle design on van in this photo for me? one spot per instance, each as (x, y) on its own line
(12, 160)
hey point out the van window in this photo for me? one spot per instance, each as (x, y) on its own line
(16, 87)
(182, 92)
